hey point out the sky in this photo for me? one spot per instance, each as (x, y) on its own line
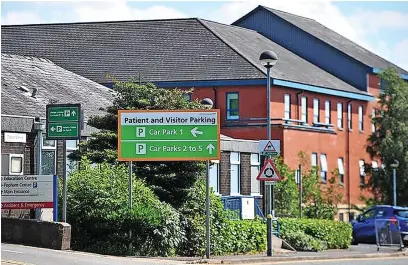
(379, 26)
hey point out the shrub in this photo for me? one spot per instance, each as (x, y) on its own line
(97, 209)
(303, 242)
(227, 236)
(334, 234)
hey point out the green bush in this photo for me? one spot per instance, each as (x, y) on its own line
(227, 236)
(334, 234)
(97, 209)
(303, 242)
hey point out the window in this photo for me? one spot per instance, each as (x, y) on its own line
(316, 116)
(71, 165)
(362, 171)
(374, 165)
(235, 173)
(314, 159)
(187, 97)
(349, 117)
(323, 169)
(360, 118)
(339, 115)
(369, 214)
(214, 175)
(287, 106)
(16, 164)
(327, 119)
(48, 157)
(304, 109)
(340, 165)
(232, 106)
(255, 184)
(341, 217)
(373, 113)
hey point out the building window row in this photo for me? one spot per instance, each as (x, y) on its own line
(323, 167)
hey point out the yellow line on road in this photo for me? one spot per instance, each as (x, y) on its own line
(14, 262)
(324, 260)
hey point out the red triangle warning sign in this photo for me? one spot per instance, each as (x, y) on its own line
(268, 172)
(269, 147)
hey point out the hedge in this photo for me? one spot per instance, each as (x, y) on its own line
(337, 235)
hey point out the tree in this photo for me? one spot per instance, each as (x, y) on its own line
(169, 180)
(390, 140)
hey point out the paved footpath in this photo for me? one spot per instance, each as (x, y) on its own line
(361, 255)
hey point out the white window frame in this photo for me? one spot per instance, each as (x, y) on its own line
(237, 164)
(314, 160)
(360, 118)
(340, 166)
(339, 115)
(323, 168)
(232, 117)
(49, 148)
(216, 187)
(373, 114)
(361, 163)
(255, 165)
(350, 116)
(316, 110)
(304, 108)
(327, 116)
(287, 106)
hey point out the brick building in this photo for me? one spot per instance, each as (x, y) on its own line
(313, 109)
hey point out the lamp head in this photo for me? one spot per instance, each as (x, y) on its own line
(268, 59)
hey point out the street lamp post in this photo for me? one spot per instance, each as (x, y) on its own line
(208, 103)
(394, 180)
(268, 60)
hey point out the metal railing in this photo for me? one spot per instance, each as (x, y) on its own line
(388, 233)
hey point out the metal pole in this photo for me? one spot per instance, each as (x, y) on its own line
(394, 180)
(300, 190)
(269, 188)
(37, 212)
(207, 209)
(64, 181)
(130, 201)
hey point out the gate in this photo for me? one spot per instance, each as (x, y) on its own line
(388, 233)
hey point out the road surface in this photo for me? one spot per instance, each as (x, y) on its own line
(24, 255)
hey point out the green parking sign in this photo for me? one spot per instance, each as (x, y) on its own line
(150, 135)
(63, 121)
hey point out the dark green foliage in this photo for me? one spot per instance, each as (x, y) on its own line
(100, 218)
(333, 234)
(169, 180)
(226, 236)
(303, 242)
(390, 141)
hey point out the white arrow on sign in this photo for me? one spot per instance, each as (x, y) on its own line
(73, 112)
(52, 128)
(195, 131)
(210, 147)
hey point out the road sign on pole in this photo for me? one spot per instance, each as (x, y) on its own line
(269, 147)
(168, 135)
(63, 122)
(268, 172)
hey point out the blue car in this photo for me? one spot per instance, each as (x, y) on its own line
(364, 225)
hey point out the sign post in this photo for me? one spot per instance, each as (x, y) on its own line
(270, 176)
(63, 123)
(170, 135)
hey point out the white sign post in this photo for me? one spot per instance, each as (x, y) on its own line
(27, 191)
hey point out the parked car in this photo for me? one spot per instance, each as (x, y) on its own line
(364, 225)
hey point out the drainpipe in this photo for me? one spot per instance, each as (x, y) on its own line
(348, 159)
(297, 104)
(215, 97)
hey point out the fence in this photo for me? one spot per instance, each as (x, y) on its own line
(234, 207)
(388, 233)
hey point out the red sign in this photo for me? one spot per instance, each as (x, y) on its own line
(268, 172)
(26, 205)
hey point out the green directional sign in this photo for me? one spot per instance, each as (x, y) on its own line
(168, 135)
(63, 121)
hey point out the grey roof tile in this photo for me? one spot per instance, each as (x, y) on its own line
(336, 40)
(20, 76)
(161, 50)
